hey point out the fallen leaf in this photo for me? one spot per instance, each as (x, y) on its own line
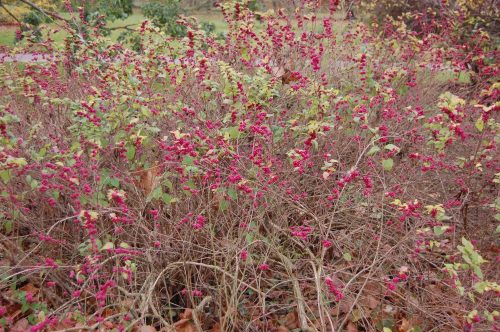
(109, 325)
(291, 320)
(107, 312)
(216, 328)
(146, 328)
(351, 327)
(278, 71)
(369, 302)
(29, 288)
(187, 314)
(405, 325)
(184, 325)
(21, 325)
(282, 329)
(126, 304)
(343, 307)
(13, 314)
(288, 77)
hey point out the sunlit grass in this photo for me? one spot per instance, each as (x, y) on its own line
(7, 35)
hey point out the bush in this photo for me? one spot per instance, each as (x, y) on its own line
(301, 176)
(112, 9)
(466, 14)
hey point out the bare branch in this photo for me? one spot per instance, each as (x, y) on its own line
(124, 27)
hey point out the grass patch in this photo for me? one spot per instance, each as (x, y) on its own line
(7, 33)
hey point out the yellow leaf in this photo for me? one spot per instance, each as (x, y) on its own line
(480, 124)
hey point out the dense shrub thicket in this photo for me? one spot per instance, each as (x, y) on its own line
(305, 173)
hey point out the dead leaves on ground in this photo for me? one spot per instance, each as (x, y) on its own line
(372, 308)
(185, 324)
(15, 312)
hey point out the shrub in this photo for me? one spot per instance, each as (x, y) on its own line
(301, 176)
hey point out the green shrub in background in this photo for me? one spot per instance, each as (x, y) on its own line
(165, 16)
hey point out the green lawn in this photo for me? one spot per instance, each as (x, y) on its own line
(7, 33)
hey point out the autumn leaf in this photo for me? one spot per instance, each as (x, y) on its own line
(291, 320)
(184, 325)
(351, 327)
(216, 328)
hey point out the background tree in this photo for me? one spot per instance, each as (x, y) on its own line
(164, 14)
(12, 11)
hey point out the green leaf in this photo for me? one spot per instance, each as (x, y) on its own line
(168, 184)
(8, 225)
(391, 147)
(25, 307)
(131, 152)
(146, 112)
(467, 244)
(234, 132)
(439, 230)
(32, 182)
(244, 54)
(17, 161)
(477, 271)
(373, 150)
(278, 133)
(108, 245)
(168, 199)
(388, 164)
(249, 237)
(5, 175)
(188, 161)
(113, 182)
(481, 287)
(480, 124)
(223, 205)
(347, 256)
(232, 193)
(157, 193)
(315, 144)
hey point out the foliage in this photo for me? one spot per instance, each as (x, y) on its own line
(309, 175)
(112, 9)
(19, 9)
(467, 15)
(165, 15)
